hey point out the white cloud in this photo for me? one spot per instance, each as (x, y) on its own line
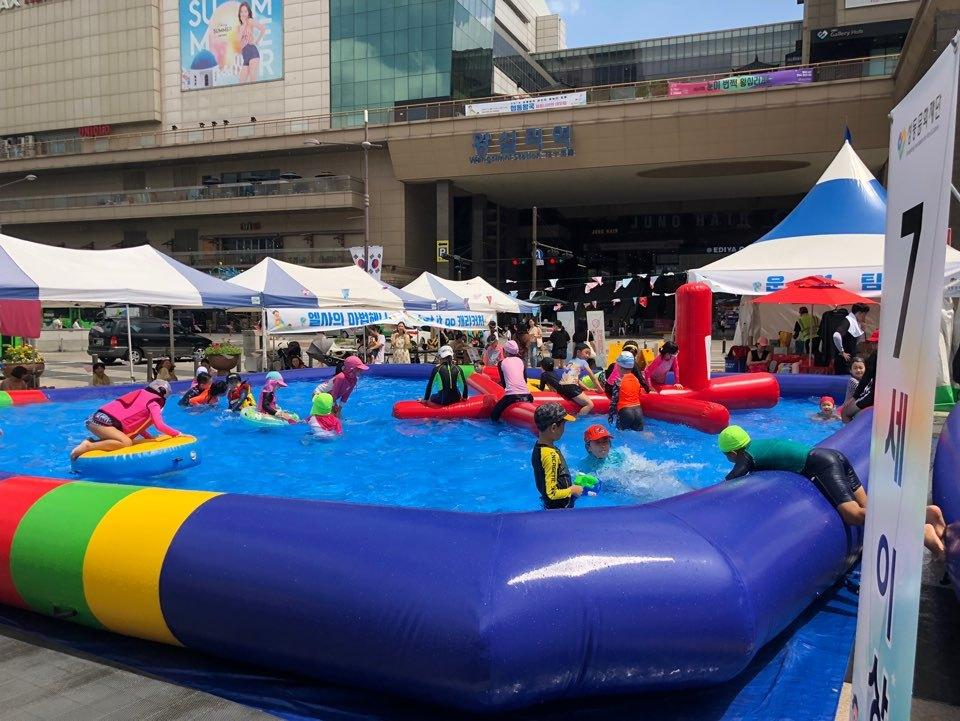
(564, 7)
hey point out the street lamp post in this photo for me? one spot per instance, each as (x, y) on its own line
(29, 178)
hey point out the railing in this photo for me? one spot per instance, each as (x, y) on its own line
(626, 92)
(149, 196)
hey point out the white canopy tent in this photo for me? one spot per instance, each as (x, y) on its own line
(837, 230)
(480, 296)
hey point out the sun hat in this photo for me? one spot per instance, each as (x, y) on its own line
(354, 363)
(322, 405)
(733, 438)
(596, 432)
(160, 386)
(512, 348)
(276, 378)
(550, 413)
(626, 360)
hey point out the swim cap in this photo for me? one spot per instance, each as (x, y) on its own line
(626, 360)
(322, 405)
(595, 433)
(276, 378)
(733, 438)
(550, 413)
(512, 348)
(353, 363)
(159, 386)
(828, 399)
(445, 352)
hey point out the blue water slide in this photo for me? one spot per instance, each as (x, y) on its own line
(489, 612)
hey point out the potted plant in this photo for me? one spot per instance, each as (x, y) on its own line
(222, 357)
(23, 355)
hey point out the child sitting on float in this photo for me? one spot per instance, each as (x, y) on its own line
(268, 398)
(119, 422)
(239, 393)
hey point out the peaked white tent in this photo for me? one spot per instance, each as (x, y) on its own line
(837, 230)
(480, 296)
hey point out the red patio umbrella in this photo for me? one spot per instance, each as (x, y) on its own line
(814, 290)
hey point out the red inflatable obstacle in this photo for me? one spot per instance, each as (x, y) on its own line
(702, 415)
(694, 328)
(476, 407)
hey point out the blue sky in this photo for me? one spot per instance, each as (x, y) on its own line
(596, 22)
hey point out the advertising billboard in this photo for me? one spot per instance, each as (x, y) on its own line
(230, 42)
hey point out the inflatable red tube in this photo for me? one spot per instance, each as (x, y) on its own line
(23, 398)
(748, 390)
(476, 407)
(702, 415)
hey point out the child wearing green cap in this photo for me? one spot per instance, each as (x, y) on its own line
(323, 421)
(829, 469)
(550, 470)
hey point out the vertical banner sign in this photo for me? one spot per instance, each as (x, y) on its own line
(921, 158)
(596, 333)
(375, 253)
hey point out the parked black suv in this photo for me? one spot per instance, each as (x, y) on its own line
(108, 339)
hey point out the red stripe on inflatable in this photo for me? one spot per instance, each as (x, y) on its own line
(17, 496)
(23, 398)
(702, 415)
(483, 383)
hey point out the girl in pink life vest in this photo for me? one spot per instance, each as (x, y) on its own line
(129, 416)
(656, 372)
(343, 383)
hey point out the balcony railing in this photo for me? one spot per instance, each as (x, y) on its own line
(648, 90)
(150, 196)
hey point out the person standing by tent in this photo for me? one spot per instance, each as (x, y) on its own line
(559, 340)
(847, 337)
(805, 330)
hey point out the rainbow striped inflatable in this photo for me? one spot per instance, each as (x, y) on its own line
(21, 398)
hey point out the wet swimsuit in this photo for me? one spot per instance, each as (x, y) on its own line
(626, 403)
(449, 374)
(189, 398)
(552, 477)
(514, 380)
(133, 413)
(829, 470)
(552, 379)
(105, 419)
(240, 397)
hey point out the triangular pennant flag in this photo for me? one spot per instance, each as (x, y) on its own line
(532, 293)
(553, 282)
(653, 279)
(558, 306)
(594, 304)
(598, 279)
(615, 301)
(635, 299)
(589, 286)
(576, 305)
(513, 293)
(644, 301)
(626, 281)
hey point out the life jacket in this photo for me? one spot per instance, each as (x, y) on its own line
(132, 410)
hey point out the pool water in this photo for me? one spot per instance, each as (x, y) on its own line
(456, 465)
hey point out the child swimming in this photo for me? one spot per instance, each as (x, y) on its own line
(239, 393)
(201, 385)
(322, 419)
(828, 410)
(268, 397)
(119, 422)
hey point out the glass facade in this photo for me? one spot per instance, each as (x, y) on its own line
(518, 65)
(389, 52)
(683, 55)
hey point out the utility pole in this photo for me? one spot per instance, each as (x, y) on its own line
(534, 244)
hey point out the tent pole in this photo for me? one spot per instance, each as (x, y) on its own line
(129, 342)
(170, 320)
(263, 333)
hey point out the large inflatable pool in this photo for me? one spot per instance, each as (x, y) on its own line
(946, 492)
(484, 612)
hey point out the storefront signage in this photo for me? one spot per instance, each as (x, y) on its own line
(225, 42)
(738, 83)
(921, 150)
(525, 144)
(853, 32)
(524, 105)
(93, 131)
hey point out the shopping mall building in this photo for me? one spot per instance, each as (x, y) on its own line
(222, 132)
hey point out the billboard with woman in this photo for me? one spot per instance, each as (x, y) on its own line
(230, 42)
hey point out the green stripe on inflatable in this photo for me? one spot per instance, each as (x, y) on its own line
(46, 558)
(945, 399)
(5, 400)
(468, 371)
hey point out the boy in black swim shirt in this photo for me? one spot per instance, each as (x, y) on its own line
(549, 467)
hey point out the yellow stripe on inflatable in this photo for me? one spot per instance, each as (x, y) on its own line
(144, 445)
(121, 569)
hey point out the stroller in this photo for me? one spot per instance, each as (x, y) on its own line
(323, 350)
(287, 353)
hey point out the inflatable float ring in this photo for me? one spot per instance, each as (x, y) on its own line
(146, 457)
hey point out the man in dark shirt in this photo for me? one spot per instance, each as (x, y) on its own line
(559, 340)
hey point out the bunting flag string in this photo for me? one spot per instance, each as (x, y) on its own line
(553, 282)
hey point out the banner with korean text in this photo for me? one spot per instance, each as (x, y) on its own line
(739, 83)
(918, 196)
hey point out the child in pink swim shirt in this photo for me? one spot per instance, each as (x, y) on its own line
(322, 420)
(129, 416)
(656, 372)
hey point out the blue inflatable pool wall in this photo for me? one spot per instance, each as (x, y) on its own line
(946, 491)
(490, 612)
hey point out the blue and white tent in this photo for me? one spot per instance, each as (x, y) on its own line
(134, 276)
(837, 230)
(285, 285)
